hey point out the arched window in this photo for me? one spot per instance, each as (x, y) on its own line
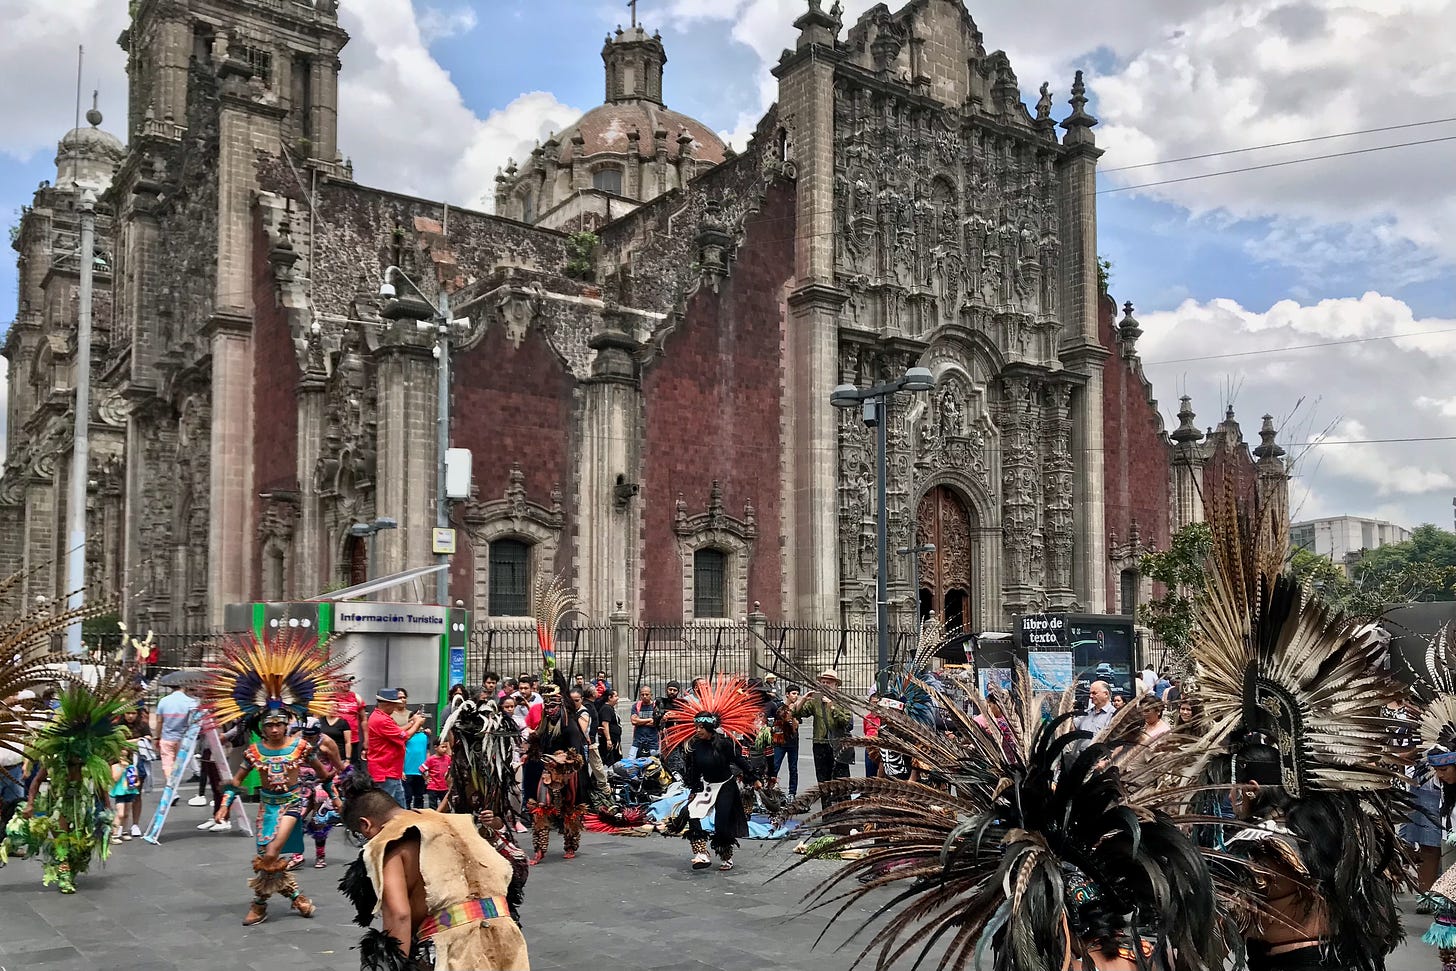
(510, 580)
(710, 583)
(1129, 581)
(608, 180)
(528, 207)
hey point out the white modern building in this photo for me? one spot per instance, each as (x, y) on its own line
(1342, 539)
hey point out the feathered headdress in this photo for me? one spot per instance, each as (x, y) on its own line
(1438, 719)
(550, 603)
(483, 743)
(906, 688)
(726, 704)
(985, 851)
(290, 675)
(1279, 667)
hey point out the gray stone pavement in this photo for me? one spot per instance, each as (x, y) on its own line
(625, 903)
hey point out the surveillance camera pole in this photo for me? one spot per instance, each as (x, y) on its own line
(81, 447)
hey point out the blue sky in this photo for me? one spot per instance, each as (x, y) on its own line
(436, 96)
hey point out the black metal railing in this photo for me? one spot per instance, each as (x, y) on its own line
(663, 653)
(509, 651)
(852, 652)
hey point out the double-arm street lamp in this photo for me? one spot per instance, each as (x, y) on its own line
(427, 316)
(875, 402)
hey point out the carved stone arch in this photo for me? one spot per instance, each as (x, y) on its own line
(512, 517)
(716, 530)
(971, 561)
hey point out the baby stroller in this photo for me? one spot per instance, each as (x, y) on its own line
(638, 782)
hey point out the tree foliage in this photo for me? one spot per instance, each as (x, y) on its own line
(1181, 569)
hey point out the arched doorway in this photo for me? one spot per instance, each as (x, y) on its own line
(356, 561)
(945, 575)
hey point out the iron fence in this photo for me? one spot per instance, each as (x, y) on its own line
(513, 650)
(852, 652)
(663, 653)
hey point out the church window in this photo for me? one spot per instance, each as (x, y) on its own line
(710, 577)
(259, 61)
(528, 207)
(608, 180)
(510, 581)
(1130, 581)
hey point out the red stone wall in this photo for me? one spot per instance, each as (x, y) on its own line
(713, 406)
(275, 395)
(1136, 462)
(513, 405)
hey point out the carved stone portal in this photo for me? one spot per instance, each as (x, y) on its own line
(945, 575)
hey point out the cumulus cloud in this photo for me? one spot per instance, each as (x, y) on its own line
(1263, 71)
(405, 124)
(1338, 404)
(38, 57)
(437, 23)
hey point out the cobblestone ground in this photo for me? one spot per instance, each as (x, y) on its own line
(624, 903)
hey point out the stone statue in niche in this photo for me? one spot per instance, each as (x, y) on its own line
(950, 413)
(1044, 103)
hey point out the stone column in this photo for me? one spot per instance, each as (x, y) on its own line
(609, 470)
(310, 545)
(1057, 475)
(811, 555)
(231, 530)
(622, 653)
(405, 383)
(757, 639)
(1081, 347)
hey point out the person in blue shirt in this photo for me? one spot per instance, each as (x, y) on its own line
(416, 750)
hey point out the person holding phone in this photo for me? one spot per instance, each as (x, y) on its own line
(387, 739)
(645, 738)
(831, 723)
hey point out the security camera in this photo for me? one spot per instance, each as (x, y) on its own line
(386, 289)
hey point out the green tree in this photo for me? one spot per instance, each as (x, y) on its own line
(1421, 568)
(1182, 570)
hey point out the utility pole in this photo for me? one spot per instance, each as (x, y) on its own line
(81, 447)
(442, 443)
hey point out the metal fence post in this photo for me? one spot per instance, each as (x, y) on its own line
(621, 650)
(757, 637)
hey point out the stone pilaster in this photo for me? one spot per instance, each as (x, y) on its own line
(230, 456)
(405, 386)
(309, 550)
(1058, 470)
(1081, 348)
(608, 521)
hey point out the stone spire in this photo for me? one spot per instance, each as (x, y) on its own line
(1187, 433)
(817, 27)
(1268, 448)
(1079, 123)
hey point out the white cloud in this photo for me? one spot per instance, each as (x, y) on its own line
(38, 57)
(437, 23)
(405, 124)
(1262, 71)
(1338, 405)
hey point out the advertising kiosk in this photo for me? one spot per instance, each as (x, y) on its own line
(1060, 650)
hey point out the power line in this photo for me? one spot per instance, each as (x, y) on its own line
(1275, 165)
(1296, 141)
(1302, 347)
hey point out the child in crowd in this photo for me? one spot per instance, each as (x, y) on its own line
(125, 786)
(437, 776)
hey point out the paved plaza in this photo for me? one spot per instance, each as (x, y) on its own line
(625, 904)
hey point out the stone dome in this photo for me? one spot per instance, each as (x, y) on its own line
(88, 155)
(607, 129)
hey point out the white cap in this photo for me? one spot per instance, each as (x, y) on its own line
(26, 695)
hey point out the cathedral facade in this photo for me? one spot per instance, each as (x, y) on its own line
(649, 330)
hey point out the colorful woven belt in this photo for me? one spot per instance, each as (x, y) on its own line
(458, 915)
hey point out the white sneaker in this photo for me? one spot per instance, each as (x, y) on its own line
(225, 826)
(206, 825)
(136, 830)
(198, 801)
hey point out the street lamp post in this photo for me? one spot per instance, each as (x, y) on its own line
(426, 316)
(914, 553)
(81, 440)
(875, 402)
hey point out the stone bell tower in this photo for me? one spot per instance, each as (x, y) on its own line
(213, 83)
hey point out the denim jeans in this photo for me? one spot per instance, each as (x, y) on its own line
(395, 787)
(790, 752)
(10, 785)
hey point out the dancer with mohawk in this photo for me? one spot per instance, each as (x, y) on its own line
(707, 725)
(273, 682)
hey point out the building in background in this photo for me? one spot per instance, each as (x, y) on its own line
(647, 403)
(1343, 539)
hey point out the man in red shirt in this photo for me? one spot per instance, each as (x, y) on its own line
(349, 707)
(385, 753)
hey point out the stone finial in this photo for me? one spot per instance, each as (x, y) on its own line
(715, 499)
(93, 117)
(1128, 329)
(1079, 123)
(1268, 448)
(817, 27)
(680, 516)
(1186, 433)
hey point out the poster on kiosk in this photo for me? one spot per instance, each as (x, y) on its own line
(1061, 650)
